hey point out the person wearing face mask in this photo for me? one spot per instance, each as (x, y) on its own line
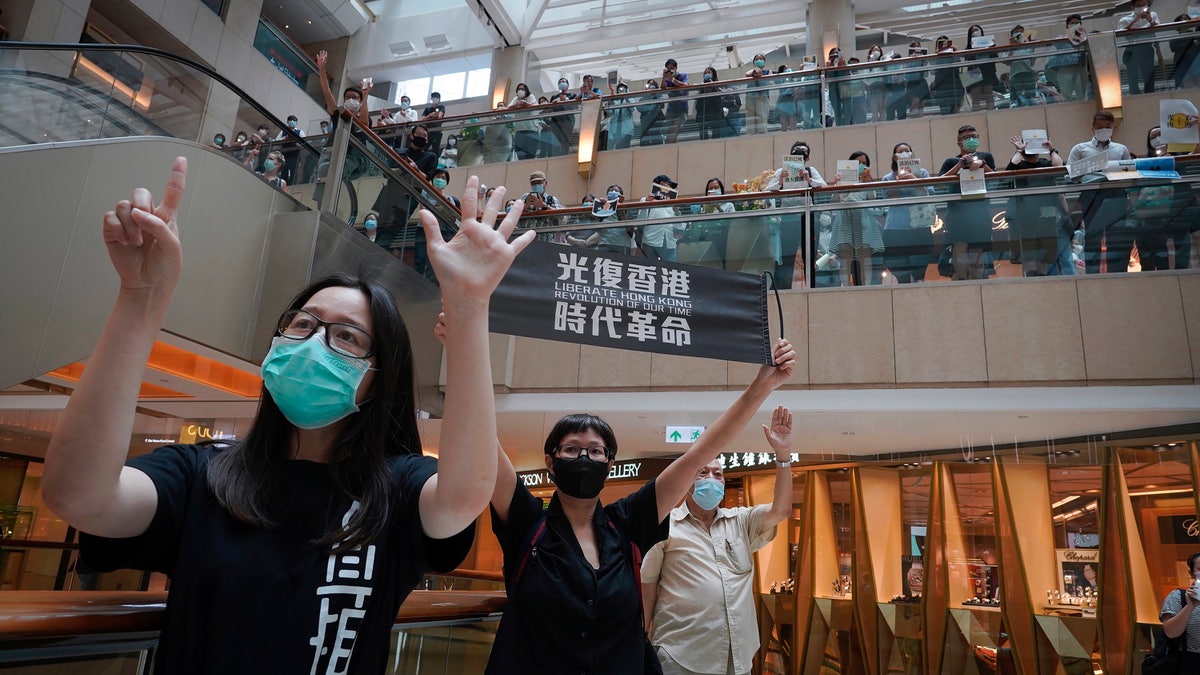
(620, 120)
(982, 76)
(371, 225)
(525, 127)
(561, 126)
(328, 478)
(1037, 221)
(969, 223)
(946, 90)
(785, 104)
(907, 230)
(856, 235)
(714, 105)
(570, 568)
(354, 99)
(1022, 78)
(449, 157)
(714, 231)
(1139, 59)
(916, 87)
(431, 117)
(791, 225)
(1184, 52)
(651, 123)
(1167, 216)
(698, 583)
(219, 142)
(1069, 69)
(1104, 211)
(758, 100)
(588, 89)
(585, 238)
(877, 87)
(674, 83)
(539, 200)
(660, 241)
(614, 239)
(293, 127)
(272, 167)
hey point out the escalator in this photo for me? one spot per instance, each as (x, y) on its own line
(70, 147)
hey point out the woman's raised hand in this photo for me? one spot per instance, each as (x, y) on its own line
(471, 265)
(143, 239)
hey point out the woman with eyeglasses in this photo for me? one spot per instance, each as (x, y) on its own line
(292, 549)
(574, 601)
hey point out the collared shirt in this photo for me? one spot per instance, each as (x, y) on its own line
(1131, 21)
(705, 607)
(1091, 147)
(662, 235)
(564, 616)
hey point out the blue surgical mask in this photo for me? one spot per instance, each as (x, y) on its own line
(440, 183)
(708, 77)
(269, 165)
(312, 385)
(562, 86)
(759, 63)
(291, 124)
(371, 223)
(537, 188)
(614, 196)
(404, 105)
(708, 493)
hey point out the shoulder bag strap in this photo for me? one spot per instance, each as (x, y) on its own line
(530, 551)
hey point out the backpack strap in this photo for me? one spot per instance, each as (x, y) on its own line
(531, 551)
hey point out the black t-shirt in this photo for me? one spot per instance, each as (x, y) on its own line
(247, 599)
(566, 616)
(425, 160)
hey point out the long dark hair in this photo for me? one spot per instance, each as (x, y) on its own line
(245, 478)
(894, 149)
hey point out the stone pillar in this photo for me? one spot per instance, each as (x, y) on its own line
(45, 21)
(508, 68)
(830, 24)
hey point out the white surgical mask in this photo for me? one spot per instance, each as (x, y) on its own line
(1157, 142)
(1103, 135)
(903, 155)
(714, 191)
(352, 104)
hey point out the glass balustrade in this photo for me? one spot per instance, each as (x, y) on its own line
(1162, 58)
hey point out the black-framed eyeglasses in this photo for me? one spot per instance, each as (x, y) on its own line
(597, 453)
(343, 338)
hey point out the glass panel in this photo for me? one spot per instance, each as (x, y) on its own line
(1160, 58)
(461, 648)
(129, 663)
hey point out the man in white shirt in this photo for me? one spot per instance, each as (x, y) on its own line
(658, 242)
(1139, 59)
(698, 584)
(1104, 210)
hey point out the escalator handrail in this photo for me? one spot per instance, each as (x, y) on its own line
(169, 56)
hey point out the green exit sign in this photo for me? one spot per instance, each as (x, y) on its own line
(683, 434)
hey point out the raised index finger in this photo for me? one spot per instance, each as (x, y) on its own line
(173, 192)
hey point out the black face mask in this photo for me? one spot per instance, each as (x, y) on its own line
(418, 142)
(581, 477)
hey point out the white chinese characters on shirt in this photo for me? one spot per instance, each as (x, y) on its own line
(348, 576)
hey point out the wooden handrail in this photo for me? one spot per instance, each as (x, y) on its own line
(55, 614)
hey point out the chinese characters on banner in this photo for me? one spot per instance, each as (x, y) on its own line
(750, 460)
(561, 293)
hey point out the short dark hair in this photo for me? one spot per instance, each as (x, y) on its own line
(293, 117)
(1074, 17)
(861, 154)
(671, 63)
(1192, 561)
(418, 125)
(800, 144)
(577, 422)
(352, 88)
(435, 95)
(1104, 115)
(966, 127)
(440, 172)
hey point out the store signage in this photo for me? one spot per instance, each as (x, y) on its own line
(636, 469)
(750, 460)
(683, 434)
(198, 431)
(1178, 529)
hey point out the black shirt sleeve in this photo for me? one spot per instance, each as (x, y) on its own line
(174, 470)
(947, 165)
(442, 555)
(523, 511)
(638, 513)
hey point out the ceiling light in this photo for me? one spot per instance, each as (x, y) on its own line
(310, 22)
(1064, 500)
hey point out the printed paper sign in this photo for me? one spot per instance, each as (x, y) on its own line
(1091, 164)
(557, 292)
(847, 171)
(1145, 167)
(1077, 35)
(913, 164)
(983, 41)
(971, 182)
(792, 165)
(1173, 116)
(1035, 141)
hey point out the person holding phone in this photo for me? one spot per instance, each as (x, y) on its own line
(1139, 59)
(969, 223)
(675, 84)
(1179, 616)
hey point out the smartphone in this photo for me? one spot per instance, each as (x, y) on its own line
(612, 79)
